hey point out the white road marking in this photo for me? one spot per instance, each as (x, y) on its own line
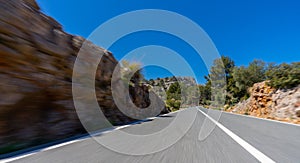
(39, 150)
(265, 119)
(17, 158)
(253, 151)
(79, 139)
(60, 145)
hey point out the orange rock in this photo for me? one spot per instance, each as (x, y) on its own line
(297, 104)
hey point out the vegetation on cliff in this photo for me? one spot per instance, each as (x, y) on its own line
(177, 92)
(174, 96)
(240, 78)
(283, 76)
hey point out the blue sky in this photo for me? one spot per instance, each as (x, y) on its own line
(243, 30)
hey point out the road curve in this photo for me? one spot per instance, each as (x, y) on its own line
(278, 141)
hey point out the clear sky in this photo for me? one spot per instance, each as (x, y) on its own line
(241, 29)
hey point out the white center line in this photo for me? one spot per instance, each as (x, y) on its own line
(253, 151)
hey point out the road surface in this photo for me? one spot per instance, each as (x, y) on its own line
(236, 139)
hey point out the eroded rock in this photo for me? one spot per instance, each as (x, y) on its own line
(266, 102)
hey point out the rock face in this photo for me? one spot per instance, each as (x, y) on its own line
(286, 105)
(36, 67)
(266, 102)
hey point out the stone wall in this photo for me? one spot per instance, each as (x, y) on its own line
(36, 64)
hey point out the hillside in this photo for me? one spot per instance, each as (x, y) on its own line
(176, 92)
(168, 81)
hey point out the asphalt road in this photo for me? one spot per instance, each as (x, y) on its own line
(236, 139)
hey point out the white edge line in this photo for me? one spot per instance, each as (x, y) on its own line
(108, 130)
(252, 150)
(270, 120)
(17, 158)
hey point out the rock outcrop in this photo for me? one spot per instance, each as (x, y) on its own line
(286, 105)
(36, 64)
(267, 102)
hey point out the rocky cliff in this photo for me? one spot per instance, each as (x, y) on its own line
(267, 102)
(37, 58)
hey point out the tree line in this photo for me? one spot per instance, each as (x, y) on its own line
(234, 80)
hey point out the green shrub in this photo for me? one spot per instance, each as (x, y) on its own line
(174, 96)
(284, 76)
